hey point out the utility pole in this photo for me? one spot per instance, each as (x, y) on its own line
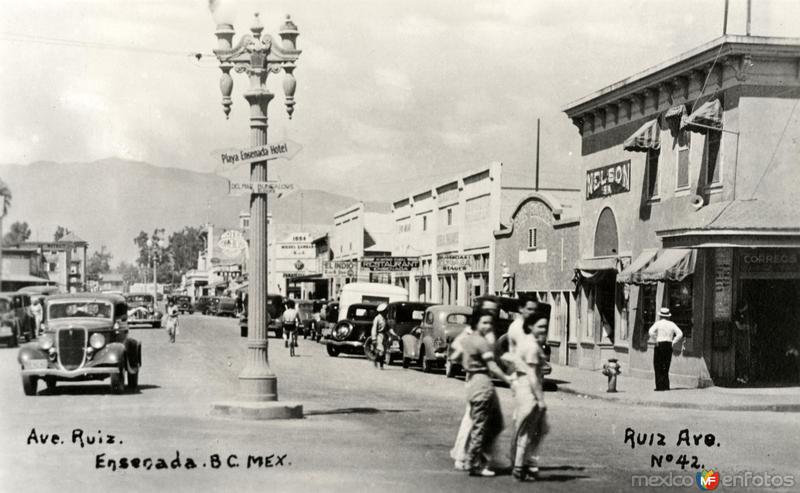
(538, 133)
(725, 19)
(749, 8)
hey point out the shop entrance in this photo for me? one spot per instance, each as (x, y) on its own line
(605, 291)
(768, 318)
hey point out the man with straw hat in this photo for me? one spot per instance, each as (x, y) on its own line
(666, 334)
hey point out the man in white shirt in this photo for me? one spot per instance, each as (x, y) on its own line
(666, 334)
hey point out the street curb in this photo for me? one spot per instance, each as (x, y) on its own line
(778, 408)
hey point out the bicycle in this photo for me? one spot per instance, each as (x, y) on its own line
(292, 342)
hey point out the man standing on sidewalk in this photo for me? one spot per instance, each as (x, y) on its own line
(666, 334)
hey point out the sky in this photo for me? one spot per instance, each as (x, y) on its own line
(392, 96)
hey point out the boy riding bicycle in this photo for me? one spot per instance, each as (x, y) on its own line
(291, 324)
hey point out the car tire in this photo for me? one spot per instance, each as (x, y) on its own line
(427, 366)
(50, 382)
(279, 333)
(29, 384)
(132, 384)
(117, 381)
(13, 341)
(332, 351)
(369, 349)
(406, 362)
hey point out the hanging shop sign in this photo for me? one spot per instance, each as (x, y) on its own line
(390, 264)
(608, 180)
(453, 263)
(347, 268)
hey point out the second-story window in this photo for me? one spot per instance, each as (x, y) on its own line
(652, 173)
(449, 217)
(684, 142)
(424, 223)
(711, 157)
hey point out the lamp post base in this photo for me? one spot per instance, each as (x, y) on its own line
(254, 410)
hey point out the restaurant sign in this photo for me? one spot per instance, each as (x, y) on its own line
(608, 180)
(453, 263)
(390, 264)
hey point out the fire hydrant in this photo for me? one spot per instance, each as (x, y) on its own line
(611, 370)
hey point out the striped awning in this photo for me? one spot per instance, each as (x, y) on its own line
(671, 264)
(709, 114)
(647, 137)
(675, 111)
(632, 274)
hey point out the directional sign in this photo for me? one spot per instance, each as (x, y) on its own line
(231, 158)
(243, 188)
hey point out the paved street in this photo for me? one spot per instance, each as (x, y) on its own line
(364, 429)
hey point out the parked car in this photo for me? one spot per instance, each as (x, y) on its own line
(85, 337)
(428, 343)
(225, 307)
(401, 317)
(352, 331)
(142, 310)
(201, 304)
(21, 304)
(184, 303)
(306, 311)
(10, 324)
(275, 309)
(329, 323)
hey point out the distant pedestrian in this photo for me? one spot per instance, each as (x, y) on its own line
(38, 313)
(527, 362)
(487, 419)
(172, 321)
(666, 335)
(380, 334)
(290, 321)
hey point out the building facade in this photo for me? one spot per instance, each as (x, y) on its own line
(535, 256)
(65, 261)
(22, 267)
(689, 168)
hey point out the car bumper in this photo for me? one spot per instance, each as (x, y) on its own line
(70, 374)
(143, 321)
(350, 344)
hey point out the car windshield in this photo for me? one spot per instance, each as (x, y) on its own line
(362, 313)
(457, 318)
(5, 306)
(183, 299)
(74, 309)
(409, 313)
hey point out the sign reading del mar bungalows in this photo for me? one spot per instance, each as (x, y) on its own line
(608, 180)
(390, 264)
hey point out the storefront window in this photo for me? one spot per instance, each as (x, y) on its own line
(680, 304)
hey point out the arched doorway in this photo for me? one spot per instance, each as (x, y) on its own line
(606, 239)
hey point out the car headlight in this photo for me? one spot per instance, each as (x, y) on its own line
(97, 340)
(46, 341)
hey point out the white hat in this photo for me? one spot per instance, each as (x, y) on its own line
(382, 307)
(664, 313)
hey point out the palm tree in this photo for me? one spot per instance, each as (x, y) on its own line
(5, 205)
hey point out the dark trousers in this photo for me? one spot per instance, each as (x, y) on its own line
(662, 358)
(487, 419)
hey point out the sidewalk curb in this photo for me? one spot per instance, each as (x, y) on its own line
(779, 408)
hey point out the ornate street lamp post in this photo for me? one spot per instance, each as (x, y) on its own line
(257, 55)
(154, 248)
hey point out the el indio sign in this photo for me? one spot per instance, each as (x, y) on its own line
(608, 180)
(769, 260)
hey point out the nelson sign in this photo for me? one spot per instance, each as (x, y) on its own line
(608, 180)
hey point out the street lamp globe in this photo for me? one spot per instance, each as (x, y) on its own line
(162, 244)
(149, 243)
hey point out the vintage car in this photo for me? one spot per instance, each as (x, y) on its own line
(85, 337)
(306, 311)
(401, 317)
(21, 305)
(352, 331)
(201, 304)
(427, 344)
(142, 310)
(275, 309)
(224, 307)
(184, 303)
(329, 323)
(10, 324)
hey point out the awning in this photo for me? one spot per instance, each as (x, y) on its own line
(675, 111)
(647, 137)
(632, 274)
(594, 269)
(306, 277)
(709, 114)
(26, 278)
(671, 264)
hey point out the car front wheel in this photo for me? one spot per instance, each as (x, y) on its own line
(133, 382)
(29, 383)
(117, 381)
(332, 351)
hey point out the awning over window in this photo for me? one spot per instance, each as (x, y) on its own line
(709, 114)
(632, 274)
(671, 264)
(594, 269)
(647, 137)
(675, 112)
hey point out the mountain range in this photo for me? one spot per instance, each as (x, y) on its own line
(108, 202)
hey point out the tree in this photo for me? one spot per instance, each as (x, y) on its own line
(61, 232)
(99, 263)
(19, 232)
(184, 246)
(5, 205)
(130, 272)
